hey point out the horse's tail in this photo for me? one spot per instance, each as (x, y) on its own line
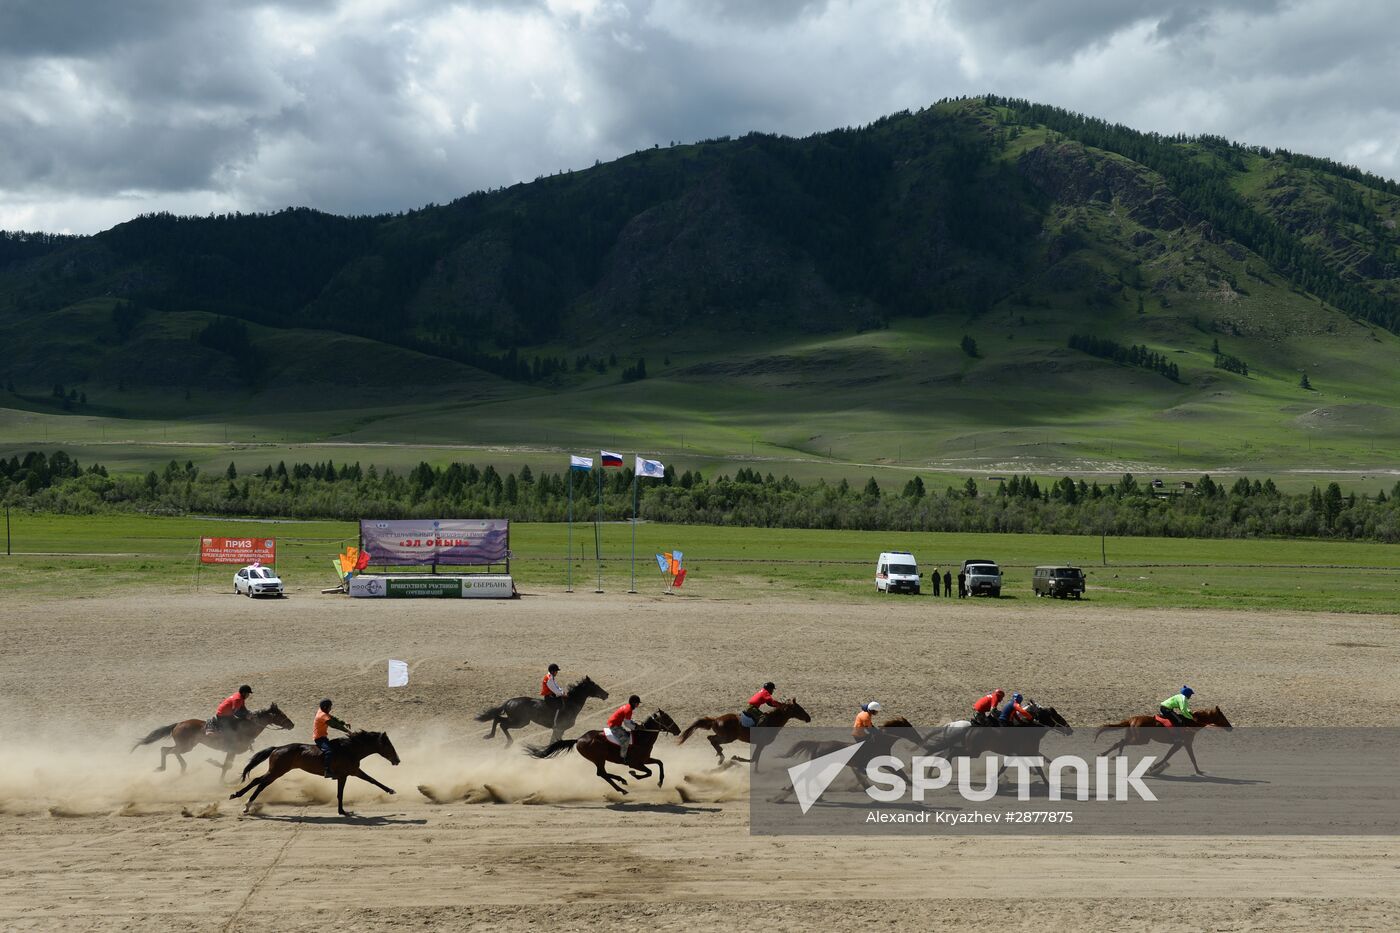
(488, 715)
(552, 749)
(258, 759)
(704, 722)
(804, 748)
(156, 735)
(1111, 725)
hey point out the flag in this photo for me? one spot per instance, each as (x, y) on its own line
(650, 468)
(398, 673)
(661, 562)
(610, 459)
(580, 463)
(680, 578)
(677, 556)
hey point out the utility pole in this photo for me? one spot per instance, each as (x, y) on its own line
(7, 531)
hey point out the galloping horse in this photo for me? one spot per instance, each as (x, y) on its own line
(521, 711)
(728, 728)
(598, 749)
(1007, 741)
(874, 745)
(235, 738)
(345, 764)
(1144, 729)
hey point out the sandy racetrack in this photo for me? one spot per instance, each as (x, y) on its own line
(94, 839)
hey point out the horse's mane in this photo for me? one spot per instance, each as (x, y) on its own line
(579, 683)
(899, 722)
(266, 709)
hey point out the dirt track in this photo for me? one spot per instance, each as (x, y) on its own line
(95, 840)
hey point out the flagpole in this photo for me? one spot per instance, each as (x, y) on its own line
(569, 549)
(636, 480)
(597, 518)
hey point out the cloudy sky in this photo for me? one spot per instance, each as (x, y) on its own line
(109, 109)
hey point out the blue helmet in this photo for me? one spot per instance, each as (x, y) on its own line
(1016, 697)
(1187, 691)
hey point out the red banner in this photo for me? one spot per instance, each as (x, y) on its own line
(237, 550)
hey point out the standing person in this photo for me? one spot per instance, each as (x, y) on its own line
(935, 579)
(620, 725)
(234, 706)
(320, 733)
(947, 584)
(962, 585)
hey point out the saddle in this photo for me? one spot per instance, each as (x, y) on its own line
(1163, 721)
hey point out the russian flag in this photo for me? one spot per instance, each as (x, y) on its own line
(610, 459)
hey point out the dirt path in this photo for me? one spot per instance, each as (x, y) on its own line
(95, 840)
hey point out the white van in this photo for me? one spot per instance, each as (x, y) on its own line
(897, 572)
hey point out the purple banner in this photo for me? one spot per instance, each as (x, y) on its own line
(449, 542)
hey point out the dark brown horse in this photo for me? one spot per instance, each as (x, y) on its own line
(235, 738)
(876, 744)
(597, 748)
(518, 712)
(345, 763)
(728, 728)
(1144, 729)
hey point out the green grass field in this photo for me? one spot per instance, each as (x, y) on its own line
(90, 556)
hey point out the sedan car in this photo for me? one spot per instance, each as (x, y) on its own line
(257, 581)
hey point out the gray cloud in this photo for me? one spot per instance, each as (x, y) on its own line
(359, 106)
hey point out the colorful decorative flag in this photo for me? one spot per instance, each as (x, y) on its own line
(663, 563)
(677, 556)
(580, 463)
(610, 459)
(653, 468)
(680, 578)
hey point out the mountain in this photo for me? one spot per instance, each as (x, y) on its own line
(766, 266)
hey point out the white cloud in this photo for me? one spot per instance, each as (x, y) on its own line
(374, 105)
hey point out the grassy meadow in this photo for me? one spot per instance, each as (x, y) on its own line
(90, 556)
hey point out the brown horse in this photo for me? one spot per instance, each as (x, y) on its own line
(1144, 729)
(345, 764)
(877, 743)
(598, 749)
(235, 738)
(728, 728)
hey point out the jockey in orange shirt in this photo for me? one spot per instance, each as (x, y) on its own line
(865, 720)
(320, 733)
(621, 725)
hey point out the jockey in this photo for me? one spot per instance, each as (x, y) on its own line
(620, 725)
(235, 706)
(320, 734)
(749, 717)
(1013, 713)
(549, 687)
(984, 710)
(865, 720)
(1177, 709)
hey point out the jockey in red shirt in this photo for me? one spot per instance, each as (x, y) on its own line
(235, 706)
(620, 725)
(756, 703)
(986, 707)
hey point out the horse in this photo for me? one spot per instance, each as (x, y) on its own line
(345, 764)
(728, 728)
(1144, 729)
(600, 750)
(1007, 741)
(235, 738)
(875, 744)
(521, 711)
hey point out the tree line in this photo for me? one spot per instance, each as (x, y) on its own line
(1134, 355)
(1020, 504)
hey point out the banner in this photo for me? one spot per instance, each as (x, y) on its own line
(446, 542)
(237, 550)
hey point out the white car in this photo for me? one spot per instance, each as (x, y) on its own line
(257, 581)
